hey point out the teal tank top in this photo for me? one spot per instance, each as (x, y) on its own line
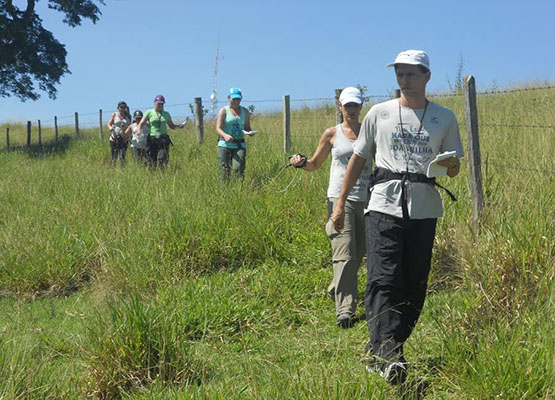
(234, 126)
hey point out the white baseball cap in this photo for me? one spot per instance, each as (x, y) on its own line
(350, 95)
(412, 57)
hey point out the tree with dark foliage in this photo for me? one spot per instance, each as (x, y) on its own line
(29, 53)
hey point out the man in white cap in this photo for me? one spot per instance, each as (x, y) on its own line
(349, 245)
(402, 136)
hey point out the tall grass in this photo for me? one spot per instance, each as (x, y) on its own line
(176, 285)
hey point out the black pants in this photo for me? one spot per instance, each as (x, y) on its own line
(158, 150)
(118, 150)
(399, 259)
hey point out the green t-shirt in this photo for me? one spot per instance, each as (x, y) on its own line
(157, 122)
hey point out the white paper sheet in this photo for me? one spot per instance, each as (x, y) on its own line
(437, 170)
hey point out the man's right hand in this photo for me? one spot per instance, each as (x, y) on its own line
(338, 217)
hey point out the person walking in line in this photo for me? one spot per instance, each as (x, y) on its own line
(158, 140)
(138, 138)
(349, 245)
(402, 136)
(232, 123)
(117, 124)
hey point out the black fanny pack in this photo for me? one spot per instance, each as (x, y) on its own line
(381, 175)
(233, 141)
(164, 140)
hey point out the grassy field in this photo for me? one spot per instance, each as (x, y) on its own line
(127, 283)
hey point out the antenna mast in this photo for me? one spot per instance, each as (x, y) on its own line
(214, 95)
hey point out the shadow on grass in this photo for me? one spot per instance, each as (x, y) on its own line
(46, 149)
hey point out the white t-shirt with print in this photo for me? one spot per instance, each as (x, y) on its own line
(381, 139)
(139, 141)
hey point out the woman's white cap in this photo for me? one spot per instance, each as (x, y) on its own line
(412, 57)
(350, 95)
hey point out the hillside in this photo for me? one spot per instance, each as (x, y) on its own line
(127, 283)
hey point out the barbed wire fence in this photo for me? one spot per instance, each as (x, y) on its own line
(49, 127)
(303, 107)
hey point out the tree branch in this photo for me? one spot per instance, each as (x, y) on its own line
(11, 9)
(30, 9)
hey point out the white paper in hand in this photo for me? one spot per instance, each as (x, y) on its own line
(181, 125)
(250, 133)
(438, 170)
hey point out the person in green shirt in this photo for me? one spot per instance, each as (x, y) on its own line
(158, 141)
(233, 121)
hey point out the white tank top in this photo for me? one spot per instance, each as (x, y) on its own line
(119, 126)
(341, 153)
(139, 141)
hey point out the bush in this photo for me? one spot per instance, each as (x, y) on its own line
(139, 343)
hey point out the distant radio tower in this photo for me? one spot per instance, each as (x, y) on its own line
(214, 95)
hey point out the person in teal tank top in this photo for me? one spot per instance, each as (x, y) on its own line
(233, 120)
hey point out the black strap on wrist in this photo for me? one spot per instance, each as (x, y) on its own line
(304, 162)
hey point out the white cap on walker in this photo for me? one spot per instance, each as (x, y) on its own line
(350, 95)
(412, 57)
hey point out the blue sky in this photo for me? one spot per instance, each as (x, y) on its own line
(305, 49)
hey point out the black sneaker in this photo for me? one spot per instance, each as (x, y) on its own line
(394, 373)
(373, 366)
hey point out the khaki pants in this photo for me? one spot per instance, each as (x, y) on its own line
(348, 248)
(231, 161)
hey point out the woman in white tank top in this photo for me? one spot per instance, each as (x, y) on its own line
(348, 246)
(117, 125)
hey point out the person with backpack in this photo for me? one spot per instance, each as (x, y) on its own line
(349, 245)
(117, 125)
(158, 140)
(232, 123)
(138, 138)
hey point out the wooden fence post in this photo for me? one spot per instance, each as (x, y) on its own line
(7, 137)
(56, 128)
(199, 120)
(28, 133)
(473, 142)
(397, 93)
(40, 134)
(100, 123)
(286, 124)
(76, 125)
(338, 114)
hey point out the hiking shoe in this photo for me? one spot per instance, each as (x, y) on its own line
(394, 373)
(345, 321)
(373, 366)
